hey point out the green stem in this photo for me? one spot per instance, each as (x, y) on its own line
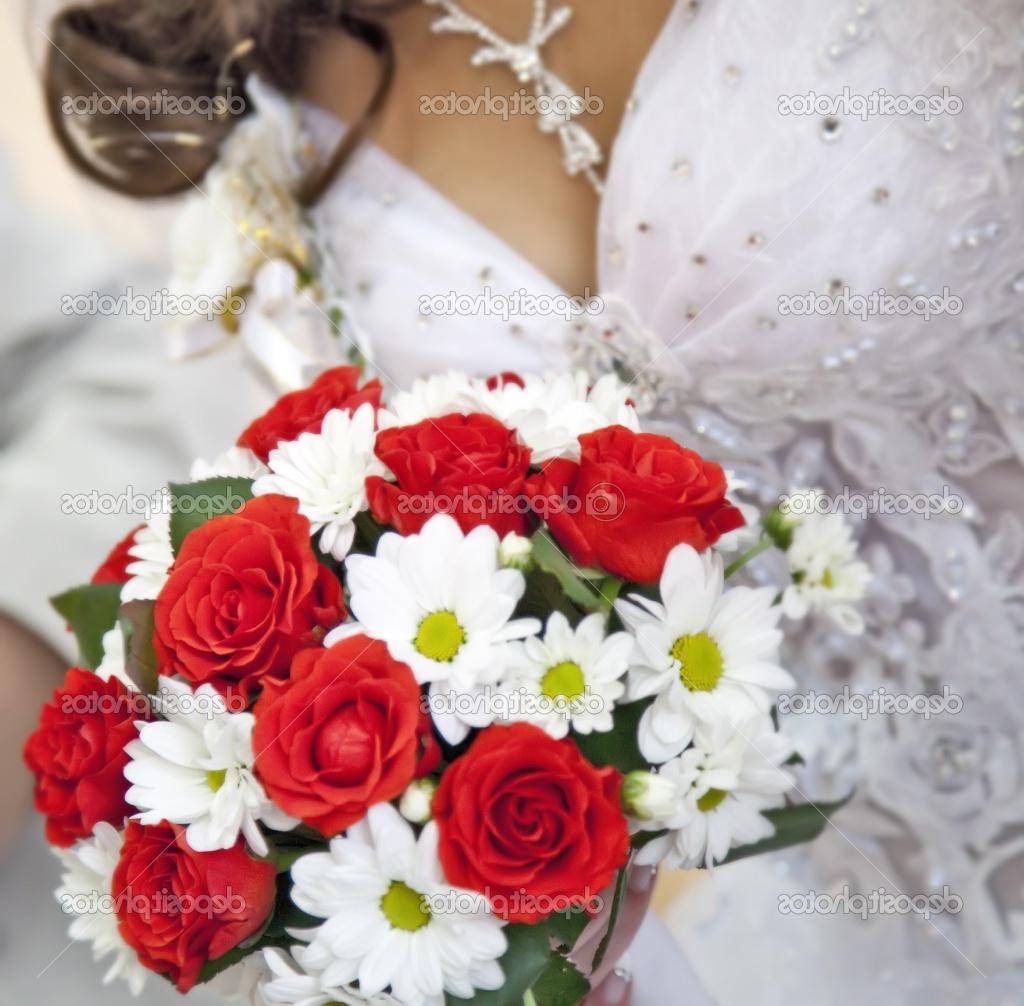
(762, 546)
(529, 999)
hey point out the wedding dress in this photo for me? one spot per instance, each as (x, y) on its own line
(716, 207)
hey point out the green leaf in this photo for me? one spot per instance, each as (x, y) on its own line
(528, 956)
(136, 620)
(543, 595)
(621, 884)
(550, 558)
(561, 984)
(90, 610)
(793, 825)
(368, 533)
(194, 504)
(567, 926)
(642, 838)
(620, 746)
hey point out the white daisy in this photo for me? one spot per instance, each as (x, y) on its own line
(732, 773)
(195, 768)
(326, 472)
(392, 920)
(289, 985)
(704, 654)
(85, 892)
(430, 397)
(443, 605)
(822, 555)
(236, 462)
(550, 413)
(153, 557)
(570, 676)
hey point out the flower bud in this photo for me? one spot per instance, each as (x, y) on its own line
(649, 797)
(416, 800)
(516, 552)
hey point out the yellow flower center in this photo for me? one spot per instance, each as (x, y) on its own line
(711, 799)
(215, 778)
(700, 661)
(826, 580)
(439, 636)
(564, 681)
(404, 908)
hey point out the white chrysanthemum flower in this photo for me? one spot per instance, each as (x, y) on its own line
(822, 555)
(569, 676)
(550, 413)
(746, 537)
(290, 985)
(391, 919)
(326, 472)
(732, 773)
(85, 891)
(153, 558)
(242, 982)
(443, 605)
(430, 398)
(704, 653)
(195, 768)
(236, 462)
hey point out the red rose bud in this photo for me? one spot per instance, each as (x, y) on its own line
(470, 467)
(114, 568)
(630, 500)
(345, 732)
(77, 755)
(245, 595)
(178, 908)
(530, 822)
(303, 411)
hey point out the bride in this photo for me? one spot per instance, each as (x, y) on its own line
(797, 229)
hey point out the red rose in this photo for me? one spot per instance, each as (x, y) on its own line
(178, 908)
(522, 816)
(114, 568)
(630, 500)
(77, 755)
(245, 594)
(303, 411)
(471, 467)
(505, 378)
(345, 732)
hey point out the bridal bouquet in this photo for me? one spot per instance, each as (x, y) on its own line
(386, 703)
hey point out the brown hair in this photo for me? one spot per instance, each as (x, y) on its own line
(194, 51)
